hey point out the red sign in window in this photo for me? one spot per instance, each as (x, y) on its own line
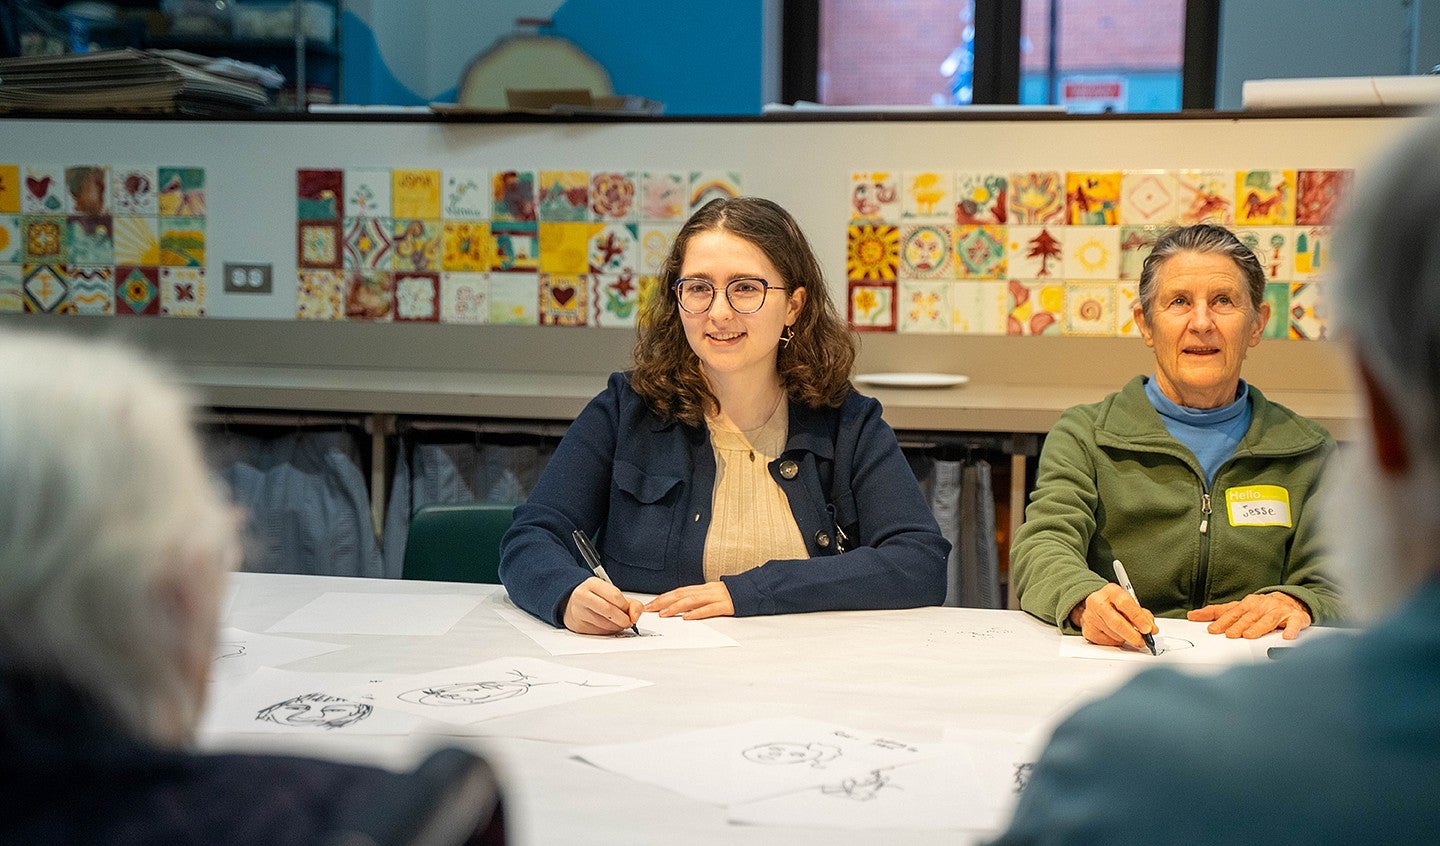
(1093, 90)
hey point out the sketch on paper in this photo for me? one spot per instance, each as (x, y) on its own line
(814, 754)
(228, 650)
(1167, 643)
(481, 692)
(859, 789)
(1023, 771)
(315, 710)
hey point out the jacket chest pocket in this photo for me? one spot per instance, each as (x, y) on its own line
(643, 510)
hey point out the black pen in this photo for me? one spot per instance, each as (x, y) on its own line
(1124, 580)
(592, 560)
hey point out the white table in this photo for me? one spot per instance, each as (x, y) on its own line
(907, 674)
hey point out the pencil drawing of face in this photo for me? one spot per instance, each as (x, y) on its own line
(813, 754)
(315, 710)
(859, 789)
(472, 693)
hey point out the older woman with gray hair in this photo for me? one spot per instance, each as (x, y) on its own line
(114, 549)
(1202, 487)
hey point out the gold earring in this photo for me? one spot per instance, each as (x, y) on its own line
(785, 338)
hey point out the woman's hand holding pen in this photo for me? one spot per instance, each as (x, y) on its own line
(1110, 617)
(598, 607)
(694, 602)
(1255, 615)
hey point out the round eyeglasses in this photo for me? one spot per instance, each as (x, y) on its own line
(746, 294)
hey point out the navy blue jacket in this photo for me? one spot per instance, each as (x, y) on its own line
(646, 485)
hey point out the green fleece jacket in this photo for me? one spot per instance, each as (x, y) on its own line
(1113, 484)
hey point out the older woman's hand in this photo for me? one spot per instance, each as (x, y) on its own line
(1110, 617)
(599, 608)
(694, 602)
(1255, 615)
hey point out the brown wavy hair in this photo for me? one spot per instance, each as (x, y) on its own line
(814, 366)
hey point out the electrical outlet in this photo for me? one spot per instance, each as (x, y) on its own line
(243, 278)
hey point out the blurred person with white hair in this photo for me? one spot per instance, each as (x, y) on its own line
(116, 546)
(1338, 742)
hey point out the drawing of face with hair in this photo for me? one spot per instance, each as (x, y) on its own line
(472, 693)
(813, 754)
(859, 789)
(315, 710)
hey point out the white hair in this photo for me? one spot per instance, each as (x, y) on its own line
(109, 523)
(1386, 302)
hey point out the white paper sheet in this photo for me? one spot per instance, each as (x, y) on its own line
(755, 760)
(239, 653)
(379, 614)
(285, 702)
(1002, 762)
(463, 695)
(1179, 642)
(656, 632)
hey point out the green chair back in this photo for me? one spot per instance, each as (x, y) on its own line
(458, 542)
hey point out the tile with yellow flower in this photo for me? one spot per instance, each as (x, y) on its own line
(317, 244)
(980, 199)
(1036, 197)
(369, 243)
(563, 299)
(1318, 195)
(515, 298)
(467, 195)
(9, 189)
(1313, 256)
(46, 289)
(1092, 252)
(320, 295)
(980, 252)
(1149, 197)
(1307, 312)
(1265, 198)
(614, 299)
(517, 247)
(44, 239)
(137, 290)
(92, 289)
(873, 252)
(467, 246)
(1092, 198)
(564, 248)
(137, 241)
(925, 251)
(1035, 308)
(12, 286)
(875, 196)
(979, 307)
(182, 291)
(12, 239)
(872, 306)
(1205, 196)
(707, 185)
(182, 242)
(928, 195)
(1274, 246)
(415, 194)
(417, 297)
(612, 196)
(417, 245)
(369, 295)
(1090, 309)
(924, 305)
(464, 298)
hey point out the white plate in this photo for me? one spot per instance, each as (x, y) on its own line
(912, 380)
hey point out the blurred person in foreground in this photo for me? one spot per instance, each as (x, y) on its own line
(114, 549)
(1338, 742)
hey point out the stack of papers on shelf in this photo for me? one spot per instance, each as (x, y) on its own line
(127, 80)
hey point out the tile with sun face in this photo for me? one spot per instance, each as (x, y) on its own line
(1092, 252)
(465, 298)
(1090, 309)
(924, 305)
(980, 252)
(871, 306)
(873, 252)
(1036, 252)
(320, 295)
(1265, 198)
(875, 196)
(979, 308)
(1318, 194)
(1092, 198)
(1205, 196)
(1274, 247)
(182, 291)
(614, 299)
(1036, 198)
(1149, 198)
(92, 289)
(925, 251)
(927, 195)
(1035, 308)
(980, 199)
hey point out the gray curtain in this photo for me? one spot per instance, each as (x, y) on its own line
(306, 499)
(964, 505)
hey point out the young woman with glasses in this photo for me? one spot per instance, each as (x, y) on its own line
(733, 470)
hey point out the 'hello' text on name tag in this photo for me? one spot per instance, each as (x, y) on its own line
(1258, 505)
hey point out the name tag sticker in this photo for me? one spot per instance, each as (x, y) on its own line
(1258, 505)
